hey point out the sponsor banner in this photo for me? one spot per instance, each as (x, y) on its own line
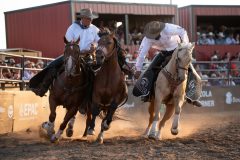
(6, 112)
(221, 97)
(29, 110)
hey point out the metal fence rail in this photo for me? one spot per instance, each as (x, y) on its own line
(21, 59)
(203, 67)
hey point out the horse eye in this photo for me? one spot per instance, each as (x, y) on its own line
(180, 49)
(109, 43)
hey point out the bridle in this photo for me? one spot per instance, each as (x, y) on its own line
(79, 61)
(174, 82)
(115, 48)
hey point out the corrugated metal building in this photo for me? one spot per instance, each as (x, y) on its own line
(42, 28)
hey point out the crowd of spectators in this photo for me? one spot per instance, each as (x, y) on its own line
(221, 71)
(222, 36)
(30, 69)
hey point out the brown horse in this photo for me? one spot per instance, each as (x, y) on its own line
(109, 90)
(70, 89)
(170, 90)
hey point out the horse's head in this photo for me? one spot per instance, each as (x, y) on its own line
(107, 46)
(72, 57)
(183, 57)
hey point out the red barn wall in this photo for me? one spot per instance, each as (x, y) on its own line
(40, 28)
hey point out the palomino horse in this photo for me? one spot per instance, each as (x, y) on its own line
(170, 90)
(69, 89)
(109, 90)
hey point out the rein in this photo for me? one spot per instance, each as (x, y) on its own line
(174, 82)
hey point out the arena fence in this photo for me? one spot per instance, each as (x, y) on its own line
(20, 110)
(19, 59)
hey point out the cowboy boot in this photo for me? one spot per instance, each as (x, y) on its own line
(47, 81)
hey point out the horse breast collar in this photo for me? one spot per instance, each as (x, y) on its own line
(172, 81)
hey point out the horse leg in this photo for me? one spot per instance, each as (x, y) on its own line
(69, 130)
(178, 108)
(105, 125)
(168, 114)
(152, 134)
(150, 120)
(70, 113)
(95, 112)
(88, 121)
(49, 126)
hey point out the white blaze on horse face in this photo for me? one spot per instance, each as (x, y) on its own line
(69, 63)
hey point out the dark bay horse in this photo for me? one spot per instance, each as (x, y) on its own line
(109, 90)
(69, 89)
(170, 90)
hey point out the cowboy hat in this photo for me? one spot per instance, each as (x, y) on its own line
(153, 29)
(87, 12)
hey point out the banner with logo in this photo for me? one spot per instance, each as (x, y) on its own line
(226, 98)
(29, 110)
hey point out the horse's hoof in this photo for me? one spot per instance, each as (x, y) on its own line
(69, 132)
(50, 133)
(91, 132)
(152, 136)
(100, 140)
(174, 131)
(53, 139)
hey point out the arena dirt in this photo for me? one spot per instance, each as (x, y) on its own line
(202, 136)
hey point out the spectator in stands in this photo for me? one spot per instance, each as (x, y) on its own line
(227, 56)
(135, 54)
(210, 39)
(237, 39)
(128, 55)
(28, 74)
(216, 56)
(203, 40)
(230, 39)
(205, 81)
(6, 72)
(198, 38)
(40, 64)
(220, 40)
(215, 80)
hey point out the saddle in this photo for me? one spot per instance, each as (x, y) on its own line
(145, 83)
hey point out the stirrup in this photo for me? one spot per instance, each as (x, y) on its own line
(194, 102)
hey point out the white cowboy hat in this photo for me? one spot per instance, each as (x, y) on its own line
(210, 34)
(87, 12)
(220, 34)
(152, 29)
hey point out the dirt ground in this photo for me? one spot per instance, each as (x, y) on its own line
(202, 136)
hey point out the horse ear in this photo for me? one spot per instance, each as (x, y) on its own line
(65, 40)
(78, 40)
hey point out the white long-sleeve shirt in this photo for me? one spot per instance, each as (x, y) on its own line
(170, 37)
(88, 36)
